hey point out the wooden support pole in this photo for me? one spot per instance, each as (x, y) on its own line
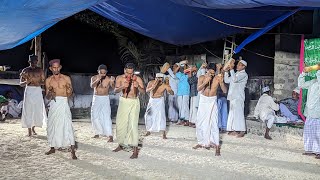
(37, 50)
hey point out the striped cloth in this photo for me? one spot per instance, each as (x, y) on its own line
(311, 136)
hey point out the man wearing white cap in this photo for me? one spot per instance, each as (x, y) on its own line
(236, 124)
(289, 106)
(155, 115)
(265, 110)
(311, 132)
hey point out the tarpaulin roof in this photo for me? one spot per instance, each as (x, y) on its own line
(179, 22)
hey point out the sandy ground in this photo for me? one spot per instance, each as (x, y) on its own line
(251, 157)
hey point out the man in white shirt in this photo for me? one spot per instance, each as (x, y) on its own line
(236, 124)
(265, 110)
(311, 132)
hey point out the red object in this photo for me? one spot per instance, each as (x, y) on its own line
(301, 69)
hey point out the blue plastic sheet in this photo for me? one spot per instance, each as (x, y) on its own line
(179, 22)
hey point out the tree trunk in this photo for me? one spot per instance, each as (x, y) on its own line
(37, 50)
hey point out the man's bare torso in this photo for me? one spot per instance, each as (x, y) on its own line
(211, 88)
(102, 88)
(34, 76)
(60, 85)
(159, 90)
(133, 93)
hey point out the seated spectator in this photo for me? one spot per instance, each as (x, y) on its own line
(265, 110)
(3, 102)
(289, 106)
(13, 108)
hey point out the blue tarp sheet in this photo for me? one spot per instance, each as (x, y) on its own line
(179, 22)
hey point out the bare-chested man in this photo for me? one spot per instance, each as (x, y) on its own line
(155, 116)
(33, 111)
(207, 118)
(59, 130)
(100, 109)
(129, 108)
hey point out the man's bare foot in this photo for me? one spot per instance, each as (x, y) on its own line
(186, 123)
(33, 131)
(51, 151)
(232, 133)
(197, 146)
(218, 151)
(164, 136)
(119, 148)
(73, 155)
(308, 154)
(240, 135)
(135, 153)
(95, 136)
(317, 156)
(110, 139)
(180, 123)
(148, 133)
(267, 136)
(223, 131)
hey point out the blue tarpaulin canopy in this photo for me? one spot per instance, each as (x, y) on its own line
(179, 22)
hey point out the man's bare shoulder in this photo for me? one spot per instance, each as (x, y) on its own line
(121, 77)
(66, 77)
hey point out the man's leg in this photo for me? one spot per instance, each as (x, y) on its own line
(186, 109)
(73, 152)
(164, 136)
(135, 153)
(224, 114)
(29, 132)
(286, 113)
(270, 121)
(219, 113)
(33, 130)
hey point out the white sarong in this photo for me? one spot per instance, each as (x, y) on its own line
(155, 115)
(173, 110)
(311, 136)
(33, 110)
(207, 121)
(194, 103)
(236, 120)
(184, 112)
(59, 129)
(101, 115)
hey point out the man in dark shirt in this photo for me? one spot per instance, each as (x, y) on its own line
(289, 106)
(193, 82)
(222, 104)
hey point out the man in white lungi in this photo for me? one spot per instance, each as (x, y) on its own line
(183, 94)
(173, 109)
(265, 110)
(236, 124)
(128, 110)
(207, 117)
(60, 131)
(155, 115)
(100, 109)
(33, 110)
(311, 132)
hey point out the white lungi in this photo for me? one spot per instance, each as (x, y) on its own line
(311, 136)
(155, 116)
(173, 110)
(59, 129)
(207, 121)
(33, 110)
(194, 103)
(101, 115)
(183, 103)
(236, 120)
